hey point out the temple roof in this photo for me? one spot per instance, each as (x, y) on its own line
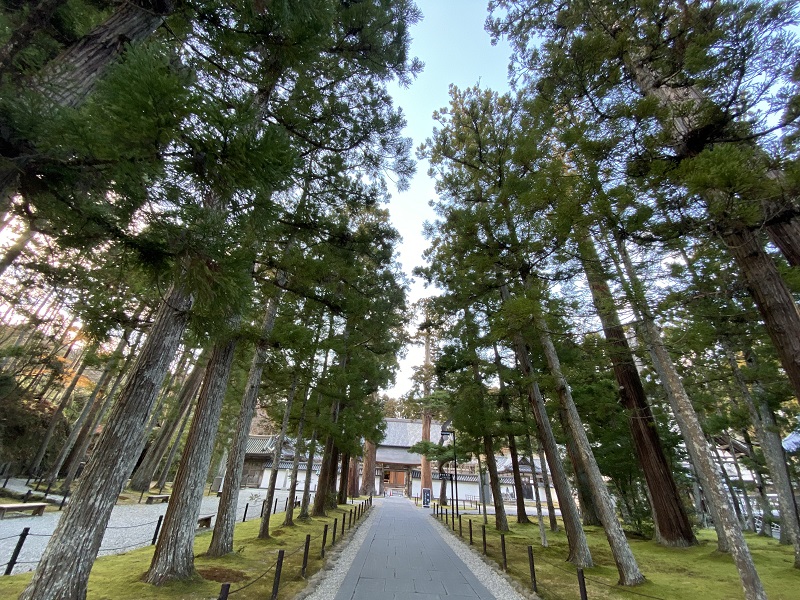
(404, 433)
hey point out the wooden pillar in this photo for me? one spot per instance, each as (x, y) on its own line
(380, 483)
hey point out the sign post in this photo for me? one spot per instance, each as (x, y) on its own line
(426, 497)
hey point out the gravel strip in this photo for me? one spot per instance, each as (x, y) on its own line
(499, 584)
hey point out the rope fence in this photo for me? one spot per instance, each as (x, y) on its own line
(490, 541)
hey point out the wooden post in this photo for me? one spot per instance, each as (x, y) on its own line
(305, 556)
(460, 529)
(342, 523)
(244, 518)
(324, 539)
(17, 550)
(275, 509)
(223, 592)
(333, 539)
(582, 584)
(503, 550)
(470, 532)
(532, 568)
(277, 581)
(483, 528)
(158, 528)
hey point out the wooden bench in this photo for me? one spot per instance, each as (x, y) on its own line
(205, 521)
(157, 498)
(36, 507)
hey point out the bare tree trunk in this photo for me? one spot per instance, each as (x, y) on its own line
(698, 448)
(426, 481)
(66, 398)
(15, 250)
(522, 516)
(343, 476)
(749, 517)
(769, 438)
(77, 427)
(500, 519)
(772, 298)
(174, 554)
(289, 519)
(585, 499)
(673, 526)
(80, 530)
(548, 494)
(222, 538)
(312, 448)
(263, 531)
(539, 516)
(368, 472)
(352, 477)
(627, 567)
(326, 472)
(579, 553)
(85, 439)
(142, 477)
(173, 451)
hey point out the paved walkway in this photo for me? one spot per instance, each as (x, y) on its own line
(405, 558)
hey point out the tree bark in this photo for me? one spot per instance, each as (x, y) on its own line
(771, 296)
(698, 448)
(673, 526)
(522, 516)
(80, 530)
(500, 519)
(627, 567)
(66, 398)
(289, 519)
(142, 477)
(326, 472)
(579, 553)
(536, 495)
(174, 554)
(548, 494)
(585, 500)
(768, 435)
(88, 408)
(368, 472)
(222, 537)
(85, 440)
(344, 472)
(70, 77)
(312, 448)
(173, 451)
(263, 531)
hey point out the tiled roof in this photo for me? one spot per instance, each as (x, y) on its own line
(397, 456)
(265, 444)
(404, 433)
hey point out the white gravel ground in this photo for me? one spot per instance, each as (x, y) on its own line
(130, 526)
(325, 584)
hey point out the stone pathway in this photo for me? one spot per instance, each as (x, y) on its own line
(404, 557)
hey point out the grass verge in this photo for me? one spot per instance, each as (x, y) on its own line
(699, 572)
(251, 565)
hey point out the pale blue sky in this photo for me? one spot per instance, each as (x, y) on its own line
(452, 43)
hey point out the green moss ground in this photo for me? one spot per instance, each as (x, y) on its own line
(119, 577)
(696, 573)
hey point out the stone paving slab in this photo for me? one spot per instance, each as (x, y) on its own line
(404, 557)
